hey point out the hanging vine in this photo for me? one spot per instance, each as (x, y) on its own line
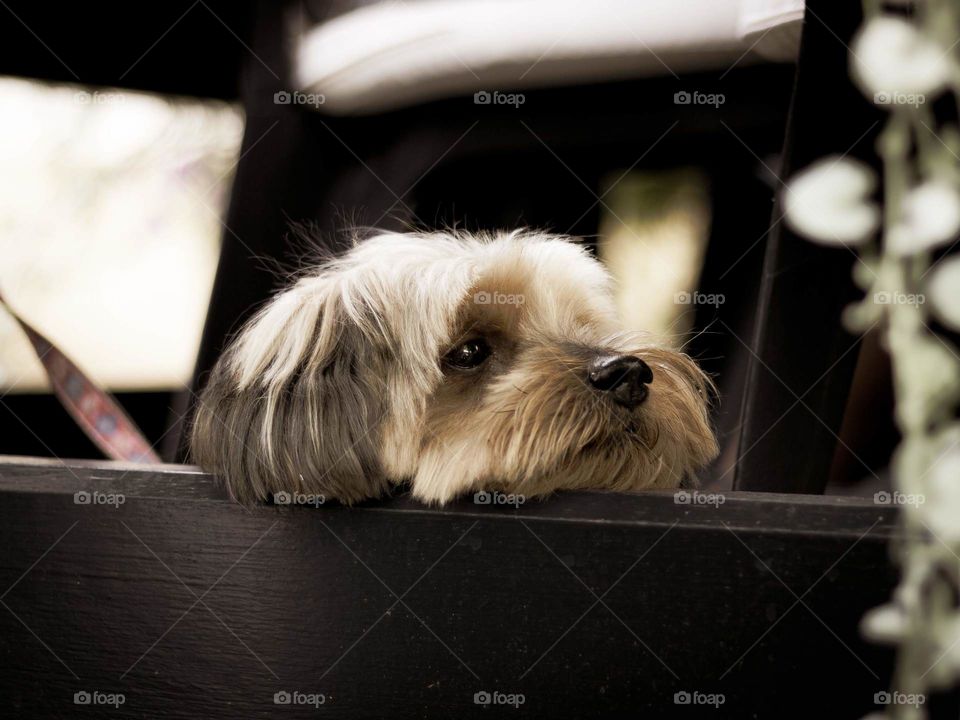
(905, 63)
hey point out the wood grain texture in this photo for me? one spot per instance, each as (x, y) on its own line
(194, 607)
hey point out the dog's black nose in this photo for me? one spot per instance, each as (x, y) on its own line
(625, 377)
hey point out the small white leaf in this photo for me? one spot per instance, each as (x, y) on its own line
(944, 292)
(884, 624)
(931, 217)
(828, 203)
(942, 507)
(892, 57)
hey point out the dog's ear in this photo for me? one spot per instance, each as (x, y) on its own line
(294, 404)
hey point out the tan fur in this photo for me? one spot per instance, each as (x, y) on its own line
(338, 386)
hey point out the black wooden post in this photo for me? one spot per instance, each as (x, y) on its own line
(802, 360)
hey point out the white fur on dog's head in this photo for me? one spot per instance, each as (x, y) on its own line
(342, 385)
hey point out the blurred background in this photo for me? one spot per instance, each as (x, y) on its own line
(151, 180)
(111, 205)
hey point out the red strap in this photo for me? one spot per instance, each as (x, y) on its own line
(93, 409)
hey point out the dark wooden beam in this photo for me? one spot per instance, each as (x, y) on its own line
(802, 359)
(587, 604)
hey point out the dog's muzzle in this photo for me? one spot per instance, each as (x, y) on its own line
(624, 378)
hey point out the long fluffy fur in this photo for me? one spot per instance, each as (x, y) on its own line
(337, 386)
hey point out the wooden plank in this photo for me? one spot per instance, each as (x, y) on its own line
(587, 604)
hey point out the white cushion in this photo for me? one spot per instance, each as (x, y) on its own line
(393, 54)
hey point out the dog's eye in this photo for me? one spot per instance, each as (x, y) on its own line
(469, 354)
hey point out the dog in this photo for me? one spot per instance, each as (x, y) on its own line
(453, 362)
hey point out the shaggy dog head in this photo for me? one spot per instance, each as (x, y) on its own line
(454, 362)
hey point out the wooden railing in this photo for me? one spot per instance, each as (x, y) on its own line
(155, 586)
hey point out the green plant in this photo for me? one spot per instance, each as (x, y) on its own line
(903, 64)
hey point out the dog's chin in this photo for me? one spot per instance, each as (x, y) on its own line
(630, 435)
(636, 458)
(633, 455)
